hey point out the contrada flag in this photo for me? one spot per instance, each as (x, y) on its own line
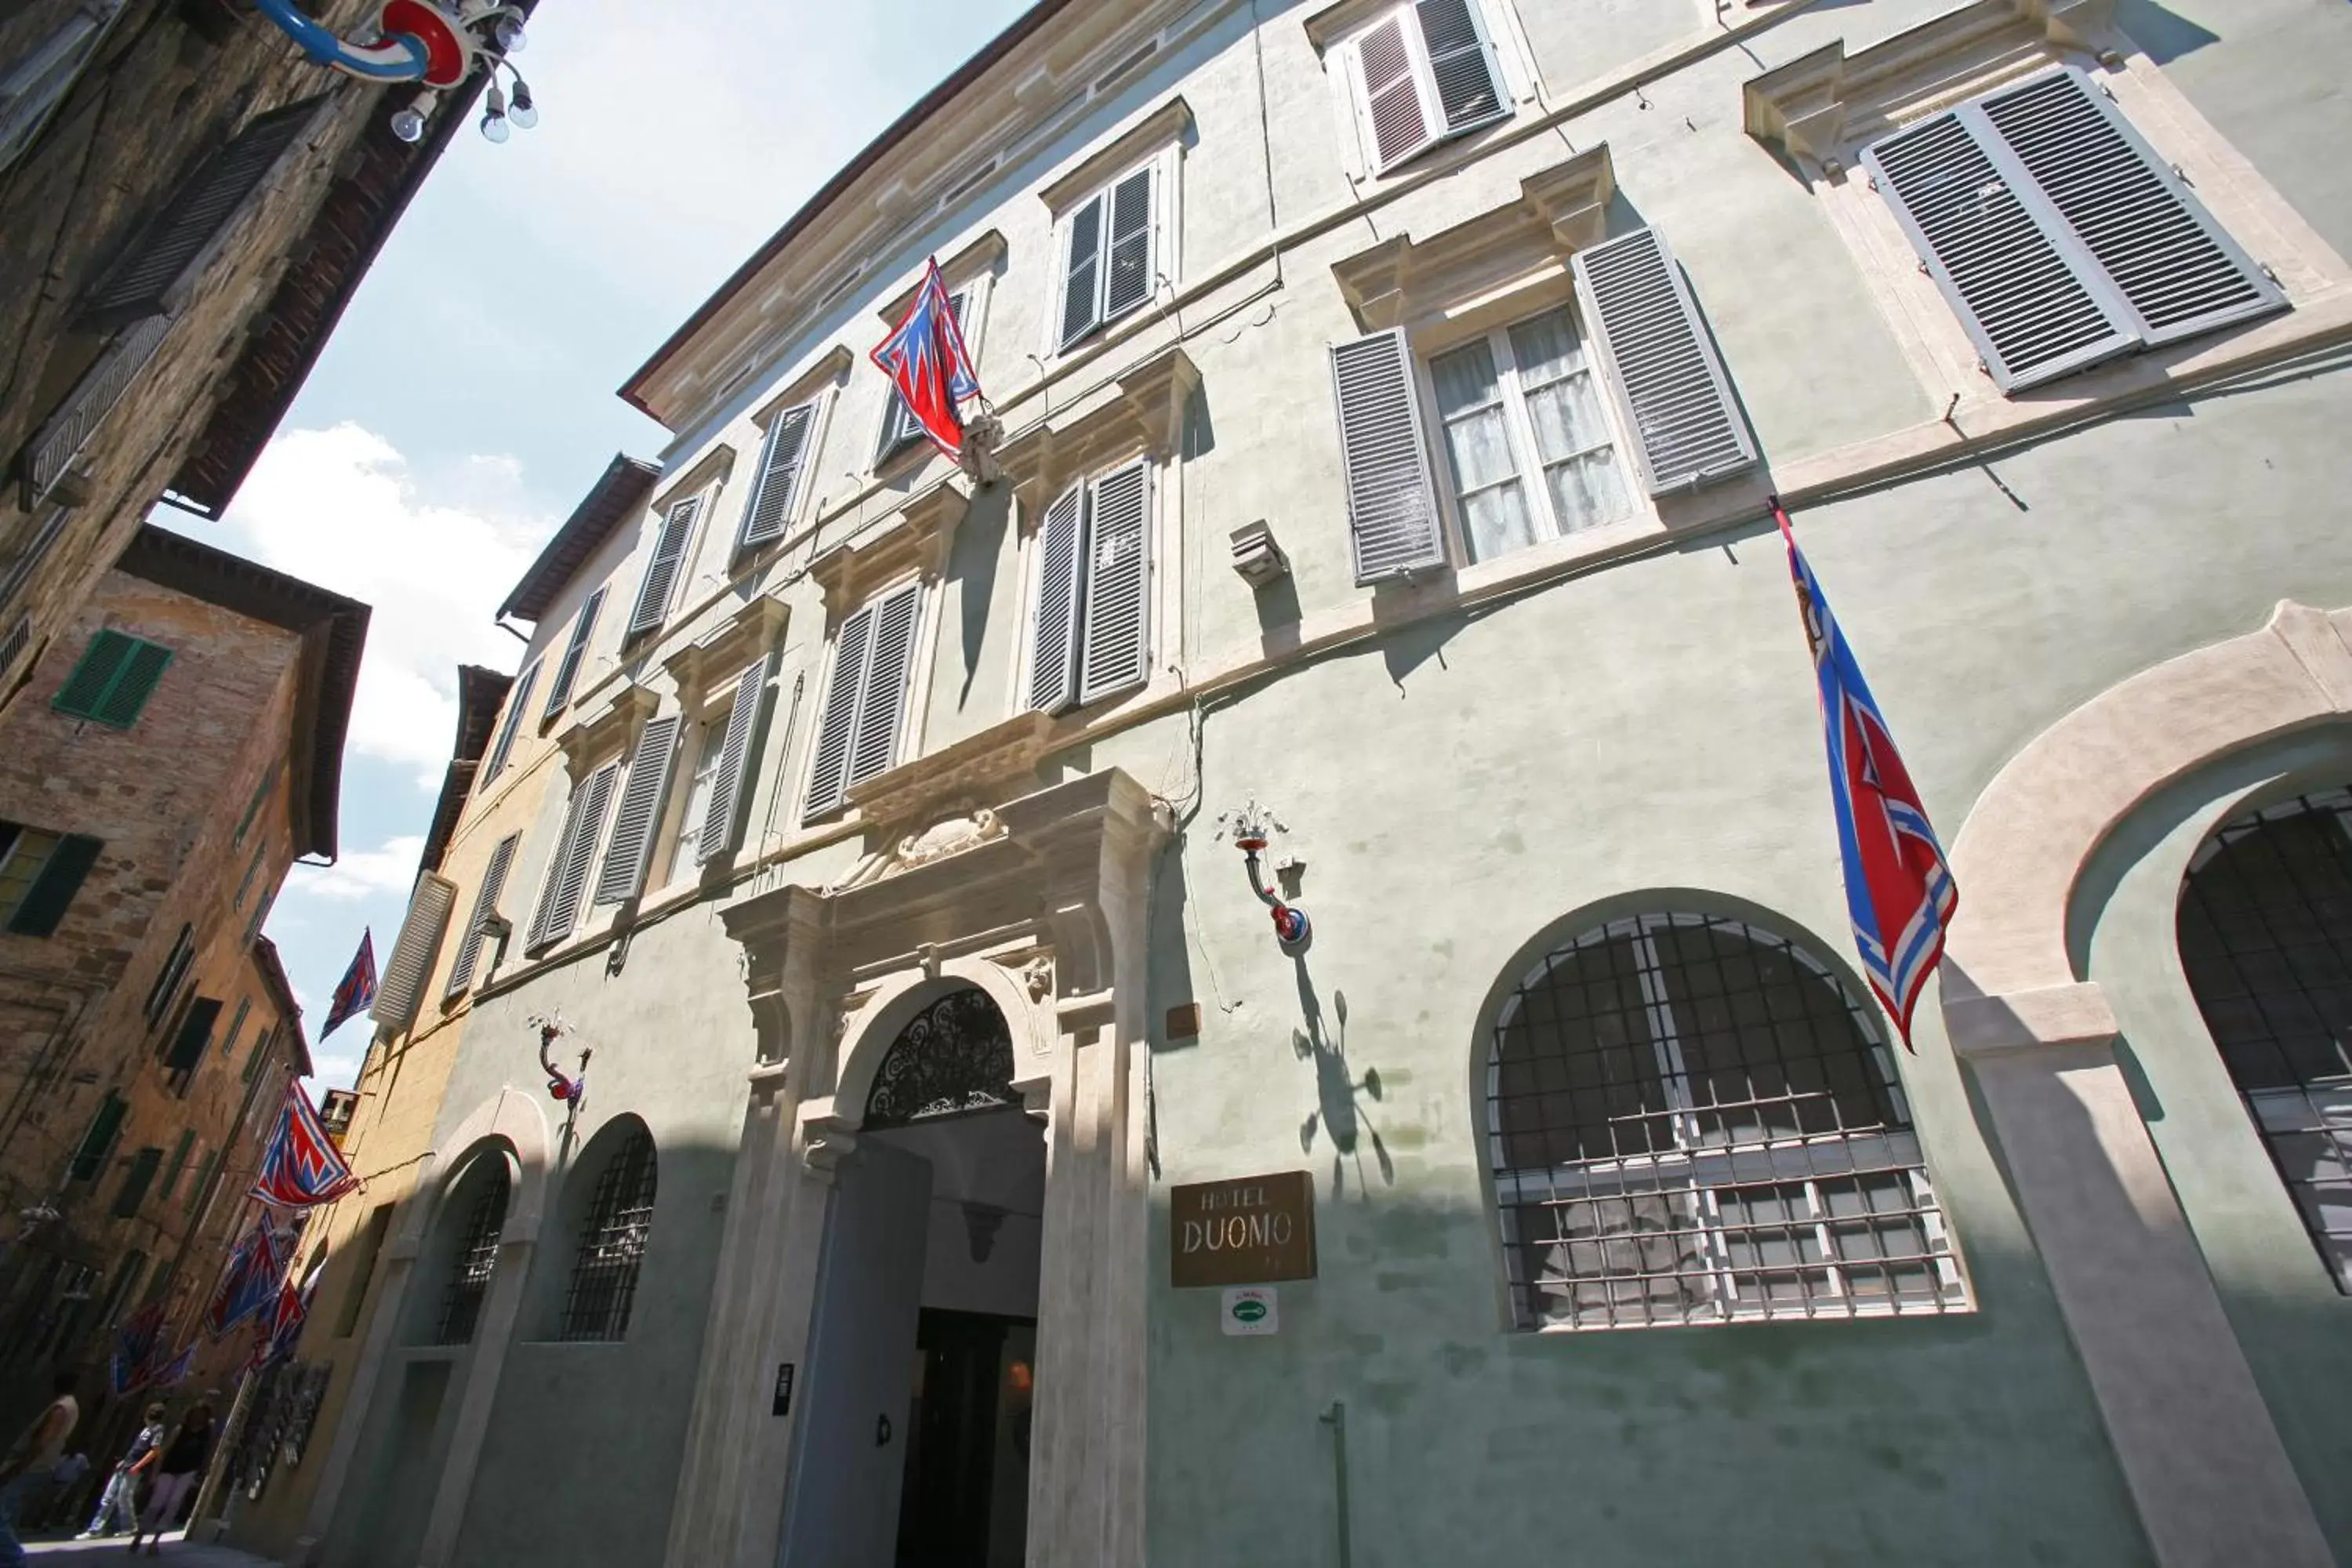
(300, 1167)
(249, 1281)
(1899, 887)
(130, 1367)
(357, 988)
(925, 360)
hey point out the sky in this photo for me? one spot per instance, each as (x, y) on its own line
(466, 402)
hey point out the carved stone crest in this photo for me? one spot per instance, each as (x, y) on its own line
(950, 835)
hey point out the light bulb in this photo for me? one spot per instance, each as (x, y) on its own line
(493, 127)
(510, 36)
(494, 103)
(525, 113)
(408, 125)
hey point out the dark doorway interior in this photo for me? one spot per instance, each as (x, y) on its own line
(965, 1501)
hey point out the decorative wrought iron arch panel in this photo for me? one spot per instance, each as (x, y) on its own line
(953, 1058)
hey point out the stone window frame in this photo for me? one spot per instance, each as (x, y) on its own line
(1336, 30)
(1156, 142)
(972, 272)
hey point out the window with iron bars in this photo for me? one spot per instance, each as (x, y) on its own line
(477, 1257)
(1692, 1122)
(613, 1244)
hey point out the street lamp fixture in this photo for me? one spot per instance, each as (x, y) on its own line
(437, 44)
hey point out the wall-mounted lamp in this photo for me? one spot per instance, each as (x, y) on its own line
(1251, 826)
(434, 43)
(568, 1091)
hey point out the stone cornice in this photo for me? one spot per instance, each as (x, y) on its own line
(974, 772)
(919, 541)
(714, 465)
(1561, 210)
(607, 731)
(981, 255)
(830, 368)
(1142, 411)
(1328, 25)
(755, 630)
(1171, 121)
(1808, 107)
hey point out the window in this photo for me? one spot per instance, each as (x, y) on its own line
(413, 952)
(98, 1143)
(567, 672)
(486, 907)
(168, 978)
(1109, 250)
(2266, 934)
(39, 875)
(660, 585)
(45, 538)
(257, 1055)
(253, 806)
(613, 1242)
(477, 1255)
(1090, 634)
(2058, 234)
(177, 1164)
(252, 875)
(188, 1047)
(1692, 1121)
(576, 850)
(709, 745)
(901, 428)
(136, 1181)
(35, 87)
(368, 1247)
(201, 1185)
(126, 1281)
(518, 702)
(115, 677)
(865, 698)
(14, 643)
(1528, 390)
(783, 454)
(237, 1026)
(1425, 72)
(641, 799)
(260, 915)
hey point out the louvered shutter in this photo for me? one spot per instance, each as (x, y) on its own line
(2176, 268)
(516, 704)
(127, 1200)
(89, 1155)
(112, 679)
(567, 672)
(829, 767)
(1686, 428)
(661, 572)
(780, 471)
(486, 904)
(641, 804)
(47, 900)
(1082, 273)
(1118, 578)
(413, 953)
(1054, 632)
(45, 538)
(78, 418)
(1392, 510)
(147, 278)
(567, 873)
(1461, 64)
(739, 763)
(1129, 281)
(125, 700)
(882, 706)
(1392, 94)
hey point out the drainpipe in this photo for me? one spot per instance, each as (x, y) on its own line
(1336, 1418)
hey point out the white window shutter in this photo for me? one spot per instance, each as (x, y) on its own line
(1687, 430)
(661, 572)
(781, 462)
(567, 874)
(1462, 65)
(486, 904)
(882, 706)
(1128, 277)
(1119, 581)
(411, 963)
(829, 766)
(641, 803)
(1053, 630)
(739, 762)
(517, 705)
(568, 672)
(1400, 126)
(2178, 271)
(1082, 272)
(1391, 508)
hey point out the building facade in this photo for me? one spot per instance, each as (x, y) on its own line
(1389, 400)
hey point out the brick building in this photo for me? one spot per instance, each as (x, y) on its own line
(178, 745)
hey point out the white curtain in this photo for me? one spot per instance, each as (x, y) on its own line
(1572, 438)
(1486, 489)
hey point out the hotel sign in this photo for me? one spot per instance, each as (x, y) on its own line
(1252, 1230)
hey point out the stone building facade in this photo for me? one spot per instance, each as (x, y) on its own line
(179, 746)
(1391, 397)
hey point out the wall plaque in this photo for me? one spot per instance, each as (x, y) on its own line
(1252, 1230)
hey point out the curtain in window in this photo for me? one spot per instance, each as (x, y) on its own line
(1572, 439)
(1487, 488)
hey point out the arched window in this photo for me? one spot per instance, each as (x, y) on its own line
(1692, 1120)
(2265, 933)
(477, 1251)
(613, 1242)
(954, 1055)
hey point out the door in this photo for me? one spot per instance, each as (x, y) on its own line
(841, 1507)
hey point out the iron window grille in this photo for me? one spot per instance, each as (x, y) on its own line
(953, 1056)
(478, 1258)
(612, 1244)
(1692, 1122)
(2266, 934)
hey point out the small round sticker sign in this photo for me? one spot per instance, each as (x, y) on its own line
(1250, 1310)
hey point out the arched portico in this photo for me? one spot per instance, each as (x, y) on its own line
(2214, 1483)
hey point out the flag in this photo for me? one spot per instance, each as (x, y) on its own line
(174, 1372)
(281, 1326)
(925, 360)
(357, 988)
(249, 1279)
(301, 1166)
(1899, 887)
(131, 1366)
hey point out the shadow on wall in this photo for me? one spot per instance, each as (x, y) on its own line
(1340, 1115)
(978, 546)
(2165, 35)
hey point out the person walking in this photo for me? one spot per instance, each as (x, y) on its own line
(25, 1470)
(119, 1503)
(58, 1506)
(175, 1475)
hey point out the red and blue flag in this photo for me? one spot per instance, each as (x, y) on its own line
(249, 1281)
(174, 1372)
(281, 1327)
(1898, 886)
(357, 988)
(130, 1367)
(925, 360)
(301, 1166)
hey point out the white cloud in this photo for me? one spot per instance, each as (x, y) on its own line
(343, 508)
(363, 873)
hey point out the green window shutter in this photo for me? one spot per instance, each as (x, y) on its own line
(177, 1164)
(53, 889)
(259, 1055)
(167, 979)
(236, 1029)
(203, 1186)
(195, 1035)
(253, 806)
(99, 1140)
(252, 871)
(261, 913)
(136, 1181)
(114, 678)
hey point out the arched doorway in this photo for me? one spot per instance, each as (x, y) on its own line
(913, 1451)
(2265, 933)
